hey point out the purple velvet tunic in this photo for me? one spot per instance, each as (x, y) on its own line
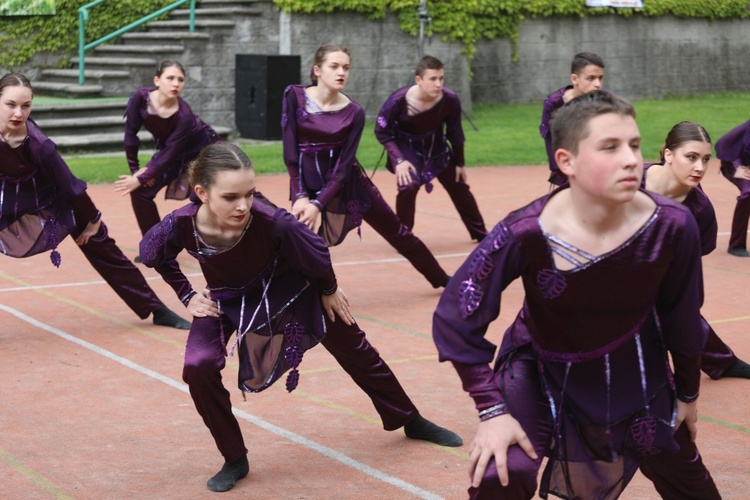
(268, 284)
(179, 138)
(552, 103)
(319, 153)
(40, 198)
(600, 331)
(422, 139)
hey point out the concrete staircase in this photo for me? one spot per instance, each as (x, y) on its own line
(116, 69)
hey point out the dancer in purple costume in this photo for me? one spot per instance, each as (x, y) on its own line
(586, 75)
(270, 279)
(42, 202)
(179, 134)
(415, 125)
(613, 282)
(330, 193)
(733, 149)
(684, 161)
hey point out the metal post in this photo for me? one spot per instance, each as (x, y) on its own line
(424, 18)
(192, 16)
(83, 15)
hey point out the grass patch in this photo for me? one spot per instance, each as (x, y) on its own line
(507, 134)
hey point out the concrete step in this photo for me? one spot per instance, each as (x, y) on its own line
(185, 24)
(109, 141)
(94, 124)
(78, 110)
(92, 77)
(67, 89)
(127, 50)
(228, 12)
(107, 62)
(164, 36)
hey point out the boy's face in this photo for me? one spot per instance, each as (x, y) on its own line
(590, 79)
(431, 82)
(609, 163)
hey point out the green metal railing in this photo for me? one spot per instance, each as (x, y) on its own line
(83, 16)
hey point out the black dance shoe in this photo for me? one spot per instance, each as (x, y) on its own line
(226, 478)
(166, 317)
(421, 428)
(739, 252)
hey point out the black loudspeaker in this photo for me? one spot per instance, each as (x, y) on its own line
(260, 81)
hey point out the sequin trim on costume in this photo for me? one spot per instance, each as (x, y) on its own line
(293, 353)
(157, 240)
(551, 283)
(53, 241)
(470, 292)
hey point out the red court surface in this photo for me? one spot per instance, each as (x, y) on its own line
(93, 404)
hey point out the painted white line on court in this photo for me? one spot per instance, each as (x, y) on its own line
(323, 450)
(395, 259)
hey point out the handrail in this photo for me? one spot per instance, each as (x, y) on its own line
(83, 16)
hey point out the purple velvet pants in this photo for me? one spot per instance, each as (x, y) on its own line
(679, 475)
(716, 357)
(124, 278)
(387, 224)
(460, 195)
(738, 238)
(204, 360)
(144, 207)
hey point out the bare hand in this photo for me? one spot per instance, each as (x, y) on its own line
(299, 205)
(88, 232)
(461, 175)
(742, 172)
(129, 183)
(494, 437)
(337, 303)
(687, 413)
(310, 216)
(404, 172)
(201, 305)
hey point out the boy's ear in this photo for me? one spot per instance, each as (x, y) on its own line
(574, 79)
(565, 160)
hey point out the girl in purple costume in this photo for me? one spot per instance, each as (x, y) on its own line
(613, 282)
(270, 279)
(321, 129)
(415, 125)
(684, 160)
(179, 134)
(42, 202)
(734, 152)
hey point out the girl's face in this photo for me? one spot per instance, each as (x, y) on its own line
(688, 162)
(334, 72)
(15, 106)
(170, 83)
(229, 198)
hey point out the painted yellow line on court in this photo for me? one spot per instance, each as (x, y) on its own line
(34, 476)
(93, 312)
(730, 320)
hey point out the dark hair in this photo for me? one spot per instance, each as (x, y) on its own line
(428, 62)
(168, 63)
(583, 59)
(684, 132)
(571, 123)
(215, 158)
(14, 80)
(321, 54)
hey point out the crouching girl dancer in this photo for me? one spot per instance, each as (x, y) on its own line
(269, 278)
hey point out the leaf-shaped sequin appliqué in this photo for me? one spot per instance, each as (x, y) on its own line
(551, 283)
(643, 431)
(469, 297)
(481, 265)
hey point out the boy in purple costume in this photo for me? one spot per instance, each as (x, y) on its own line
(734, 152)
(179, 134)
(684, 162)
(42, 202)
(586, 75)
(321, 129)
(414, 126)
(613, 281)
(271, 281)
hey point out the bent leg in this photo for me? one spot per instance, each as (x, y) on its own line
(464, 202)
(681, 475)
(144, 207)
(351, 349)
(124, 278)
(204, 360)
(738, 238)
(406, 203)
(716, 357)
(386, 223)
(522, 391)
